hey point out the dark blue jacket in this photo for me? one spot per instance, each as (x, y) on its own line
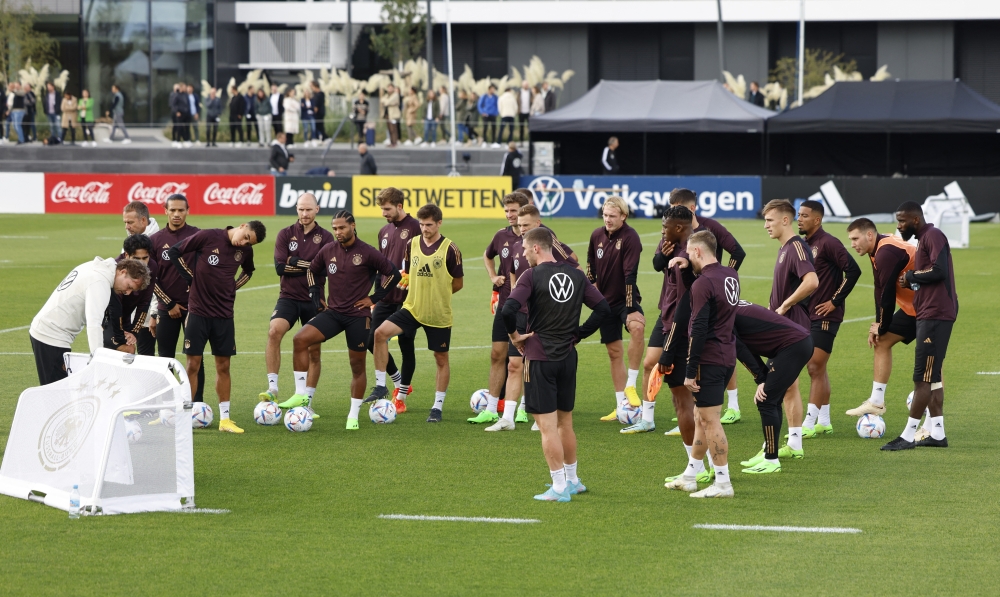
(487, 105)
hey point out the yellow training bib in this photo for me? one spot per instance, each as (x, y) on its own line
(429, 296)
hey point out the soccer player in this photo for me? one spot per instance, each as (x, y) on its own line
(710, 362)
(435, 273)
(794, 281)
(351, 265)
(137, 220)
(724, 240)
(789, 347)
(294, 250)
(127, 313)
(503, 282)
(891, 257)
(80, 300)
(170, 288)
(935, 301)
(208, 261)
(394, 237)
(613, 266)
(554, 294)
(837, 273)
(528, 218)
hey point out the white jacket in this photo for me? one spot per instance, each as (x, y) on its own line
(79, 300)
(507, 105)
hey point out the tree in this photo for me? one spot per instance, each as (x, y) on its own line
(19, 40)
(816, 65)
(402, 34)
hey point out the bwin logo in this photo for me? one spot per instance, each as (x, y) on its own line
(561, 287)
(549, 195)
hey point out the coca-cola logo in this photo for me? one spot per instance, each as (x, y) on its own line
(247, 193)
(92, 192)
(155, 194)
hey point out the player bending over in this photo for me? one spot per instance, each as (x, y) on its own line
(554, 294)
(126, 318)
(435, 273)
(350, 265)
(211, 274)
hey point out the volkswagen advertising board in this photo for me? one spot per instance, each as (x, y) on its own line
(582, 196)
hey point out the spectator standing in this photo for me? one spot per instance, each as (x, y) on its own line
(52, 106)
(461, 116)
(251, 115)
(213, 114)
(5, 114)
(280, 158)
(308, 118)
(237, 111)
(755, 97)
(319, 111)
(390, 111)
(17, 112)
(85, 106)
(507, 107)
(68, 110)
(609, 163)
(175, 127)
(263, 109)
(277, 110)
(512, 165)
(524, 110)
(472, 116)
(359, 114)
(30, 113)
(411, 105)
(179, 109)
(487, 107)
(194, 103)
(550, 97)
(367, 161)
(432, 114)
(117, 115)
(444, 100)
(293, 110)
(538, 103)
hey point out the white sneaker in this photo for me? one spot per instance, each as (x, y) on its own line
(127, 142)
(434, 143)
(423, 144)
(108, 140)
(484, 144)
(715, 490)
(408, 142)
(502, 424)
(495, 146)
(674, 431)
(867, 408)
(175, 144)
(418, 141)
(387, 142)
(534, 426)
(233, 144)
(681, 483)
(187, 144)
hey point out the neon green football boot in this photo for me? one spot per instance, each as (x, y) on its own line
(787, 452)
(823, 429)
(352, 424)
(295, 400)
(484, 417)
(522, 416)
(730, 416)
(763, 468)
(755, 460)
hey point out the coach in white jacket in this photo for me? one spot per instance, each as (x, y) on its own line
(78, 301)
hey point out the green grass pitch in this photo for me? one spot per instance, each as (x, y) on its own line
(304, 507)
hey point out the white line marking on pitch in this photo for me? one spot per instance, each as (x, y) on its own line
(23, 327)
(754, 527)
(203, 511)
(20, 237)
(857, 319)
(987, 372)
(258, 287)
(459, 519)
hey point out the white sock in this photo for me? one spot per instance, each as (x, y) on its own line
(734, 399)
(795, 438)
(439, 400)
(558, 480)
(812, 412)
(633, 375)
(570, 470)
(521, 406)
(688, 449)
(694, 467)
(619, 398)
(380, 378)
(722, 474)
(927, 421)
(310, 392)
(510, 409)
(272, 383)
(397, 378)
(878, 393)
(224, 410)
(911, 429)
(824, 415)
(491, 403)
(937, 427)
(355, 408)
(647, 411)
(775, 461)
(300, 382)
(404, 391)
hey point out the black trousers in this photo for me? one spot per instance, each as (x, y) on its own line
(168, 331)
(490, 129)
(48, 362)
(235, 129)
(211, 131)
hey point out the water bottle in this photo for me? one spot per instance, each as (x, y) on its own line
(74, 503)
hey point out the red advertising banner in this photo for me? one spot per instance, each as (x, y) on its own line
(214, 195)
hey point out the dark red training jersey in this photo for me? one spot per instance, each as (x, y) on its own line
(794, 262)
(502, 246)
(170, 287)
(935, 296)
(293, 250)
(723, 240)
(392, 241)
(351, 272)
(213, 271)
(613, 265)
(714, 296)
(837, 272)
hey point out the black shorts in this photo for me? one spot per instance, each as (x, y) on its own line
(932, 344)
(550, 385)
(611, 329)
(657, 337)
(522, 326)
(356, 329)
(903, 325)
(219, 331)
(783, 370)
(438, 339)
(49, 361)
(292, 311)
(499, 330)
(823, 334)
(380, 314)
(713, 380)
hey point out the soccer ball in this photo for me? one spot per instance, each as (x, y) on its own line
(201, 415)
(871, 427)
(267, 413)
(479, 402)
(167, 416)
(382, 412)
(298, 419)
(628, 414)
(133, 431)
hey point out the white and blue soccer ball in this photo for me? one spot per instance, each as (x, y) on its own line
(628, 414)
(479, 402)
(382, 412)
(133, 431)
(202, 415)
(871, 426)
(267, 413)
(298, 419)
(168, 417)
(909, 401)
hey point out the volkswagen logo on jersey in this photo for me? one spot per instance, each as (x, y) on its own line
(600, 253)
(561, 287)
(165, 255)
(332, 268)
(385, 242)
(733, 291)
(504, 253)
(293, 246)
(213, 260)
(549, 195)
